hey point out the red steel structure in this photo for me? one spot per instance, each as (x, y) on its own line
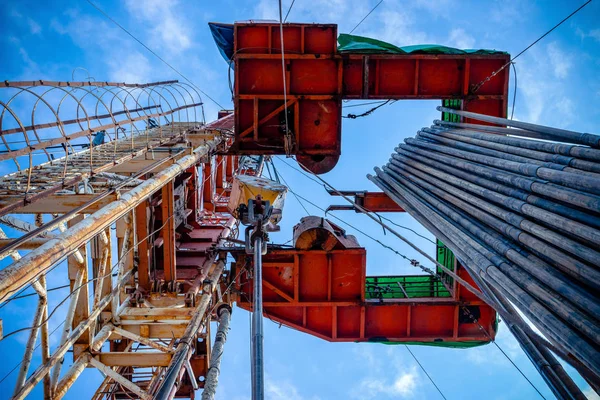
(323, 293)
(318, 78)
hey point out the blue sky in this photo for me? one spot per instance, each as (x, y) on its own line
(558, 85)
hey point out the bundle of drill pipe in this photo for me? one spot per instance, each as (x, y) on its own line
(523, 217)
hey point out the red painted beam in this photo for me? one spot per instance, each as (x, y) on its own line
(371, 201)
(323, 294)
(318, 78)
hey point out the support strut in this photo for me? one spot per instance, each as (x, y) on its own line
(212, 377)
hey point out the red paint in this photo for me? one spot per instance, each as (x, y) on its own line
(318, 78)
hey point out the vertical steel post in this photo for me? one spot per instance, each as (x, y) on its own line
(212, 377)
(258, 380)
(37, 321)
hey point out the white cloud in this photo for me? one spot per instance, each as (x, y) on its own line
(544, 93)
(316, 10)
(593, 34)
(34, 27)
(402, 385)
(398, 27)
(58, 27)
(282, 390)
(510, 13)
(560, 61)
(15, 13)
(26, 59)
(565, 106)
(392, 21)
(167, 27)
(461, 39)
(133, 68)
(490, 355)
(405, 384)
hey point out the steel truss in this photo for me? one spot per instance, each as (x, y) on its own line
(131, 219)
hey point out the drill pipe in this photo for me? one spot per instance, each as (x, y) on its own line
(507, 152)
(498, 135)
(518, 228)
(420, 213)
(546, 296)
(539, 269)
(563, 134)
(590, 184)
(536, 150)
(539, 186)
(551, 325)
(507, 190)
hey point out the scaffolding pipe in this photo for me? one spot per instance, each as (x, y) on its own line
(38, 261)
(77, 285)
(63, 386)
(212, 376)
(30, 347)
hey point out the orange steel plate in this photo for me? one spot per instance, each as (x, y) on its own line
(323, 294)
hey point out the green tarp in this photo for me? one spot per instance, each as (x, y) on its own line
(450, 345)
(359, 44)
(415, 286)
(405, 286)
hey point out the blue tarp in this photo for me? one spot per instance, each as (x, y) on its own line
(223, 35)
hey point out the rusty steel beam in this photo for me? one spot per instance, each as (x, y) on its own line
(71, 376)
(372, 201)
(42, 145)
(26, 200)
(75, 121)
(82, 84)
(168, 386)
(39, 260)
(168, 233)
(67, 216)
(44, 369)
(143, 245)
(120, 379)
